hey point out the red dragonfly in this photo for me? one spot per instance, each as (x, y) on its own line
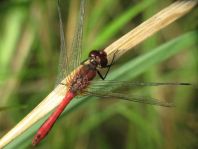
(79, 81)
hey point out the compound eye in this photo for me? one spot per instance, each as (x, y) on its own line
(103, 54)
(93, 53)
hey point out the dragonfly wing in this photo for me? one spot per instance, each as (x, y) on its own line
(127, 83)
(77, 40)
(134, 98)
(68, 62)
(63, 69)
(111, 85)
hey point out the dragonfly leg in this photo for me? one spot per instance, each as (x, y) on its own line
(108, 66)
(100, 75)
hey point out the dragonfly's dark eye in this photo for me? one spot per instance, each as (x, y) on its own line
(103, 58)
(94, 53)
(103, 54)
(98, 57)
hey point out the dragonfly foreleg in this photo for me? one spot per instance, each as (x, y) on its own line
(107, 66)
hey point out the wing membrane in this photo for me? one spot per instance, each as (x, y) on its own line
(63, 68)
(77, 40)
(127, 83)
(134, 98)
(110, 84)
(68, 63)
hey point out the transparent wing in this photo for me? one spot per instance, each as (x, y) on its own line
(63, 68)
(110, 84)
(134, 98)
(77, 40)
(68, 63)
(103, 89)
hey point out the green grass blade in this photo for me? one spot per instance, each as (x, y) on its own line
(111, 30)
(155, 56)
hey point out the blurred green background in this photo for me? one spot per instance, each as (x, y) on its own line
(29, 53)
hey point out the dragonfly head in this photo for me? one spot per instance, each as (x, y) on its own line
(98, 58)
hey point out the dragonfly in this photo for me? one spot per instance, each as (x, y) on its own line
(81, 81)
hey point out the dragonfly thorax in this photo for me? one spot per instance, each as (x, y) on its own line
(98, 58)
(78, 83)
